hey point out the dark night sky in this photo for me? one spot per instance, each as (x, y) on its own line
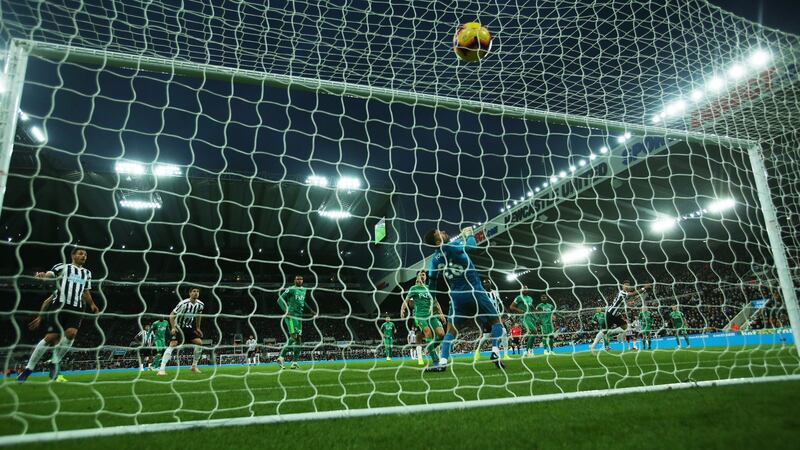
(783, 15)
(453, 167)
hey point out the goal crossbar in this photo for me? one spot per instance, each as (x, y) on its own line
(66, 53)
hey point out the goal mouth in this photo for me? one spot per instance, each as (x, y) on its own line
(618, 198)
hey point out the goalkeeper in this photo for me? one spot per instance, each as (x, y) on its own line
(469, 302)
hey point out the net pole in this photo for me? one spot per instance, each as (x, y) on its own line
(776, 242)
(12, 83)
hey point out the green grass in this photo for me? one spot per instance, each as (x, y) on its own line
(765, 415)
(123, 398)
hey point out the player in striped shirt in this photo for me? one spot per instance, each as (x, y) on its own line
(143, 341)
(414, 348)
(62, 311)
(494, 296)
(631, 334)
(616, 324)
(252, 347)
(184, 322)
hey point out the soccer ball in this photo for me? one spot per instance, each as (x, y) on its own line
(472, 41)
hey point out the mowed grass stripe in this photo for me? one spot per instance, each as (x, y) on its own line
(689, 418)
(122, 399)
(291, 385)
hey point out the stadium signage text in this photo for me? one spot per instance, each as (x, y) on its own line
(566, 190)
(641, 149)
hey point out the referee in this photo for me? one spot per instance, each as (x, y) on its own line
(61, 313)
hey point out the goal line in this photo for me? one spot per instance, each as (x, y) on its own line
(366, 412)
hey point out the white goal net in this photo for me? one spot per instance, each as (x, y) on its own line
(260, 181)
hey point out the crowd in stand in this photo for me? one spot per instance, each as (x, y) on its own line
(708, 297)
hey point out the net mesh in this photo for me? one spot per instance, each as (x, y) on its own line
(174, 178)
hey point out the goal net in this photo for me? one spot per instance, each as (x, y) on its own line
(626, 175)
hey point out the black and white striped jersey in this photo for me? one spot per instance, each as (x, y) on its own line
(619, 304)
(251, 345)
(145, 337)
(494, 296)
(72, 282)
(186, 311)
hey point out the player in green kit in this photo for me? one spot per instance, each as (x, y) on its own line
(545, 311)
(600, 319)
(523, 304)
(388, 331)
(426, 310)
(159, 330)
(293, 304)
(646, 322)
(679, 324)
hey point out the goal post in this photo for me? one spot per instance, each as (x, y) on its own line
(14, 65)
(788, 284)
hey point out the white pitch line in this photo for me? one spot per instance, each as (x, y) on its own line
(94, 433)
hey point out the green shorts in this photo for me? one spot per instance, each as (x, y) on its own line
(681, 330)
(432, 322)
(160, 343)
(645, 331)
(388, 342)
(529, 324)
(293, 325)
(547, 329)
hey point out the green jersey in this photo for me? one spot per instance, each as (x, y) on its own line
(545, 313)
(423, 301)
(645, 320)
(525, 303)
(677, 319)
(159, 330)
(388, 330)
(600, 319)
(293, 300)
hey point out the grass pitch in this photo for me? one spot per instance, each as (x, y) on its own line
(125, 398)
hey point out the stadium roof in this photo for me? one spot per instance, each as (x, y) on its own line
(205, 228)
(609, 207)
